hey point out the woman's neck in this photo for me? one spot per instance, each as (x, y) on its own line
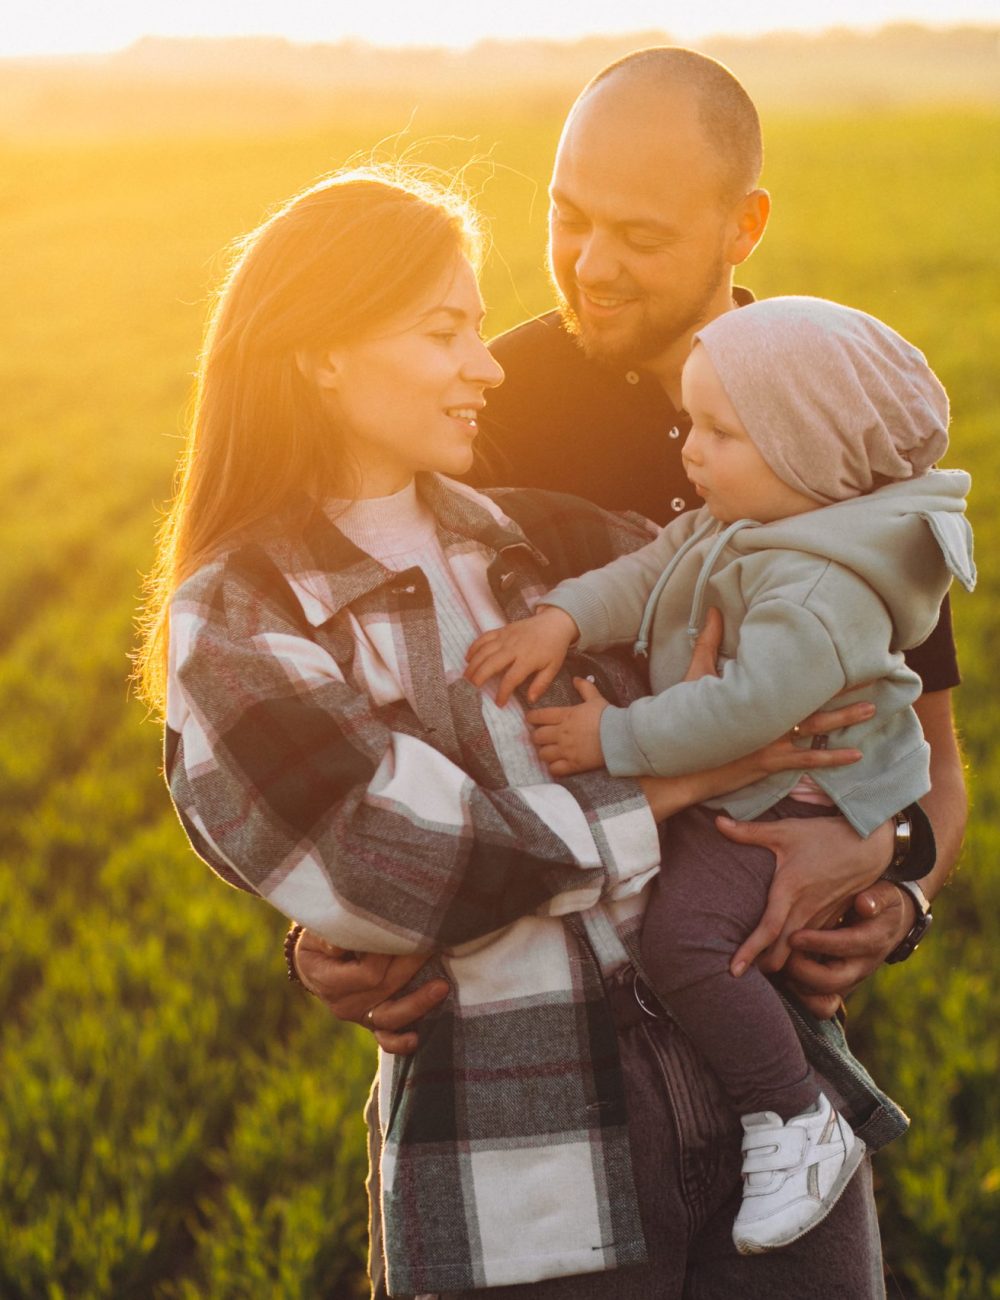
(387, 525)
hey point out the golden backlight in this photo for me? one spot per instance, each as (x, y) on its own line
(175, 1120)
(61, 27)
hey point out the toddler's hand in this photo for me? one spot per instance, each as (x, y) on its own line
(569, 739)
(533, 645)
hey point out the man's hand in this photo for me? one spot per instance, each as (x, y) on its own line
(826, 961)
(569, 739)
(826, 965)
(821, 864)
(360, 987)
(532, 645)
(705, 651)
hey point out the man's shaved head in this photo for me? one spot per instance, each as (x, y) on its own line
(725, 111)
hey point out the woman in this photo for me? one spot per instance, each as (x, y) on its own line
(322, 580)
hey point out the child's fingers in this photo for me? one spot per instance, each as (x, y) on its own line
(488, 664)
(548, 735)
(548, 717)
(519, 669)
(511, 679)
(494, 662)
(481, 644)
(542, 681)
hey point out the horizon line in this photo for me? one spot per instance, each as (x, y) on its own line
(804, 33)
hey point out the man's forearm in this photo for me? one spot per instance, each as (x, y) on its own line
(947, 804)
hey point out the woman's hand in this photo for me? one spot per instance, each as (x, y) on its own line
(360, 987)
(670, 794)
(821, 864)
(532, 645)
(568, 739)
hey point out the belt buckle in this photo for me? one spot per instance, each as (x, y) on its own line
(641, 992)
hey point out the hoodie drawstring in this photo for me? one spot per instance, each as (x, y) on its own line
(641, 646)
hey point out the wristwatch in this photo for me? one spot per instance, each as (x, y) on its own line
(913, 849)
(902, 839)
(907, 946)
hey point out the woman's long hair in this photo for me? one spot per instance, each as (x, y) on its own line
(329, 267)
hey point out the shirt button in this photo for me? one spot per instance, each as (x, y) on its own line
(631, 376)
(678, 504)
(674, 432)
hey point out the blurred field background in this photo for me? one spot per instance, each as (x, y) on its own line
(175, 1120)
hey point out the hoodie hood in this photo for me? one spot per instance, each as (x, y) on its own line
(916, 529)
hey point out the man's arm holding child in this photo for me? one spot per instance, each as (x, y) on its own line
(825, 965)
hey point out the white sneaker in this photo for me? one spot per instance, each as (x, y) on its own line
(793, 1174)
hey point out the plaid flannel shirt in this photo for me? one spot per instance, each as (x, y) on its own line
(318, 756)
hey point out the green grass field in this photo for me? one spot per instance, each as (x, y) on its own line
(175, 1121)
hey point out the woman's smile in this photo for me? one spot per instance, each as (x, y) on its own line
(387, 393)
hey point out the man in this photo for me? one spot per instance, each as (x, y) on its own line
(654, 202)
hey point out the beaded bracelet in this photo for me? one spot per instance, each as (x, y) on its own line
(291, 939)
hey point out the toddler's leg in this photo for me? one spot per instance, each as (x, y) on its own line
(709, 895)
(798, 1153)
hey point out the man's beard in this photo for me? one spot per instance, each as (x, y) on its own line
(653, 334)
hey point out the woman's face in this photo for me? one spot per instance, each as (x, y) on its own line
(408, 398)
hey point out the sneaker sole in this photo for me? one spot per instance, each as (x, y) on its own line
(747, 1247)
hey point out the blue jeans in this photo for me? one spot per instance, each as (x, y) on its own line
(686, 1156)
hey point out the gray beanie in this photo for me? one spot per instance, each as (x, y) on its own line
(836, 402)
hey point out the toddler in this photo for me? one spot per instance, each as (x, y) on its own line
(828, 541)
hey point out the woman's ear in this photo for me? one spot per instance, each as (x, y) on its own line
(319, 368)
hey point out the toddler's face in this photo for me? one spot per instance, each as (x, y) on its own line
(720, 458)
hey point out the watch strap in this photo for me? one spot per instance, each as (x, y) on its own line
(908, 944)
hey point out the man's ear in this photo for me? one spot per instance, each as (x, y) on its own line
(319, 368)
(748, 220)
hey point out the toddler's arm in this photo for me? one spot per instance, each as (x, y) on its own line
(533, 645)
(789, 662)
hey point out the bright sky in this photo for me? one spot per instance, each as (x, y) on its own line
(85, 26)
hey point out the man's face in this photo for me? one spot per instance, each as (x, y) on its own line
(638, 231)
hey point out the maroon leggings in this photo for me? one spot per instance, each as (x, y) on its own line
(709, 895)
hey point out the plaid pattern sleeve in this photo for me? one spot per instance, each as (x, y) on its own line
(349, 814)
